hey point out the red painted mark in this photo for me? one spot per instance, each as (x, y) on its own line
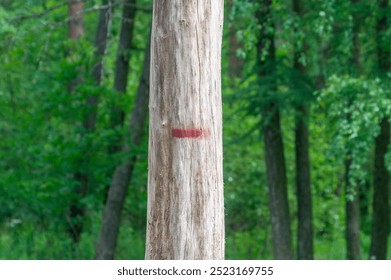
(190, 133)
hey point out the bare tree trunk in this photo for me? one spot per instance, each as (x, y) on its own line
(305, 247)
(273, 142)
(381, 207)
(107, 243)
(185, 178)
(353, 248)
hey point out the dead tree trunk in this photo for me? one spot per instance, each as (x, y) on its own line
(185, 180)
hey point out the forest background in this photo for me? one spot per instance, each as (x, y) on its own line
(319, 71)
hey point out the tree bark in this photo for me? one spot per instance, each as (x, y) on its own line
(273, 142)
(185, 178)
(105, 248)
(305, 241)
(352, 207)
(381, 208)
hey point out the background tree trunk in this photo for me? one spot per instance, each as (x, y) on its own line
(185, 178)
(82, 176)
(235, 63)
(273, 142)
(107, 243)
(101, 40)
(121, 72)
(381, 208)
(75, 31)
(305, 250)
(123, 57)
(353, 248)
(305, 241)
(75, 14)
(352, 207)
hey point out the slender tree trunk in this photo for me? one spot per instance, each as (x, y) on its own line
(273, 142)
(304, 201)
(185, 178)
(380, 215)
(381, 207)
(305, 241)
(75, 14)
(107, 243)
(276, 178)
(77, 209)
(101, 40)
(352, 207)
(235, 63)
(75, 31)
(121, 74)
(123, 56)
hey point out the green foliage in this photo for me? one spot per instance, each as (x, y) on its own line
(354, 108)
